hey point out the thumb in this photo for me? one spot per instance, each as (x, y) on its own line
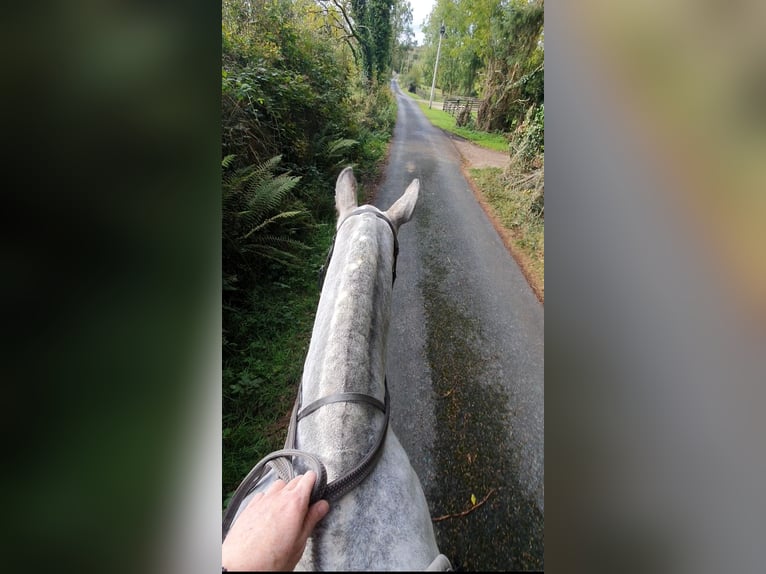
(316, 513)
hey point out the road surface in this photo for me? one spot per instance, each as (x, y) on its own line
(465, 360)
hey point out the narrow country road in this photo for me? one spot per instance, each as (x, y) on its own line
(465, 360)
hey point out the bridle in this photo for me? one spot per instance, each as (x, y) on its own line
(360, 211)
(282, 461)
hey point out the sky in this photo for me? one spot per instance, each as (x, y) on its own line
(420, 10)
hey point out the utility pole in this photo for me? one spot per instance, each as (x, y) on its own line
(436, 65)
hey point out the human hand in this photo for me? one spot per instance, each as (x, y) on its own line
(271, 532)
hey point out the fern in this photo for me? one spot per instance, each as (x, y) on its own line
(336, 152)
(227, 161)
(278, 217)
(259, 217)
(336, 148)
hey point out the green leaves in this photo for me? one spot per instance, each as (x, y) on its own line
(373, 29)
(337, 147)
(257, 223)
(514, 79)
(246, 385)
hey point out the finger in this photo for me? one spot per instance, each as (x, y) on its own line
(303, 482)
(301, 492)
(278, 485)
(316, 513)
(306, 486)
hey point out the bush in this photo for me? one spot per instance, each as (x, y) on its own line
(526, 172)
(528, 139)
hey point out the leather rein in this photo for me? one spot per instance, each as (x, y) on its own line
(282, 460)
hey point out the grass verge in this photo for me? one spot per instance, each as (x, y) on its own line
(446, 122)
(525, 231)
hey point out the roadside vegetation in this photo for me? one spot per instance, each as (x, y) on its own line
(516, 207)
(445, 121)
(516, 197)
(493, 51)
(303, 94)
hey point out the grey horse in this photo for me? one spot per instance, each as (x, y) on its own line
(383, 522)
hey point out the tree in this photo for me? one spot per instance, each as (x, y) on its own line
(494, 48)
(513, 78)
(374, 25)
(464, 47)
(402, 36)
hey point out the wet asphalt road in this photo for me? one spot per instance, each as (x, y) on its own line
(465, 360)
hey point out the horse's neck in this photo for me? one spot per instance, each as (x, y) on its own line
(348, 344)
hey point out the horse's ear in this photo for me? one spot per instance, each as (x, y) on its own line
(345, 193)
(401, 211)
